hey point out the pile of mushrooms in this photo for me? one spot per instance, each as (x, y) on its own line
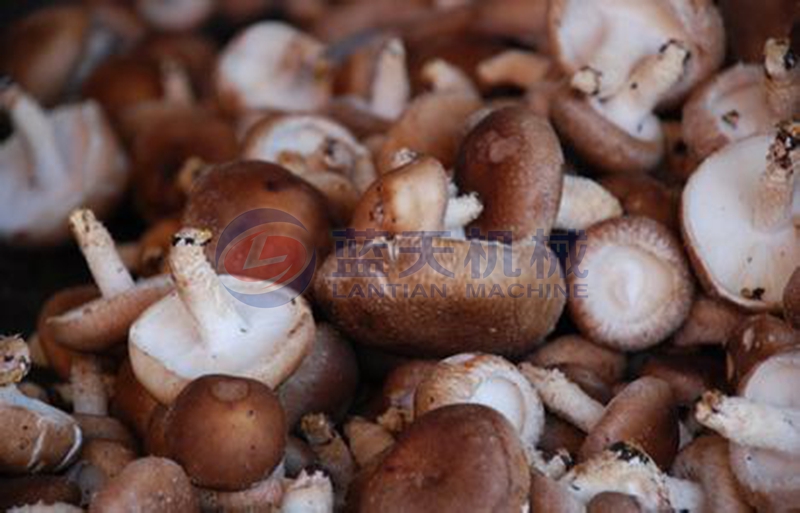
(424, 256)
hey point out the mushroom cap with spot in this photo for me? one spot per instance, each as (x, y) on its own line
(271, 65)
(754, 340)
(226, 432)
(614, 37)
(643, 413)
(456, 458)
(512, 159)
(637, 288)
(734, 259)
(148, 484)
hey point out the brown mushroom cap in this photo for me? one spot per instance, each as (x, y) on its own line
(613, 502)
(791, 300)
(559, 435)
(326, 380)
(549, 495)
(226, 432)
(643, 413)
(642, 195)
(688, 375)
(609, 365)
(513, 160)
(43, 49)
(25, 490)
(407, 316)
(148, 484)
(159, 151)
(710, 321)
(432, 124)
(637, 285)
(456, 458)
(756, 339)
(602, 143)
(229, 190)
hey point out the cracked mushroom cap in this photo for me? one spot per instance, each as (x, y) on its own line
(637, 288)
(228, 433)
(736, 220)
(512, 159)
(614, 37)
(462, 457)
(271, 65)
(55, 161)
(319, 150)
(643, 413)
(770, 479)
(147, 484)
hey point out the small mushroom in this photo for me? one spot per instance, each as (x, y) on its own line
(172, 15)
(452, 459)
(271, 65)
(34, 436)
(202, 329)
(751, 181)
(512, 159)
(710, 321)
(104, 322)
(148, 485)
(55, 162)
(636, 284)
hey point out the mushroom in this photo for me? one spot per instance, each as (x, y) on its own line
(455, 458)
(635, 283)
(172, 15)
(271, 65)
(440, 308)
(34, 436)
(756, 338)
(398, 392)
(710, 321)
(761, 425)
(626, 468)
(102, 323)
(320, 151)
(608, 43)
(743, 101)
(707, 462)
(219, 422)
(512, 159)
(488, 380)
(688, 375)
(55, 162)
(16, 492)
(148, 484)
(791, 300)
(574, 350)
(265, 494)
(202, 329)
(756, 198)
(615, 129)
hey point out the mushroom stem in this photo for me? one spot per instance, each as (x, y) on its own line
(441, 76)
(309, 493)
(461, 211)
(749, 423)
(49, 171)
(97, 246)
(585, 202)
(782, 84)
(15, 360)
(333, 453)
(773, 206)
(88, 391)
(200, 289)
(176, 84)
(648, 83)
(390, 90)
(367, 439)
(563, 397)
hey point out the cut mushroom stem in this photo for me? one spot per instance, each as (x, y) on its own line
(461, 211)
(36, 132)
(749, 423)
(782, 85)
(199, 288)
(309, 493)
(15, 360)
(773, 207)
(88, 390)
(390, 91)
(97, 246)
(563, 397)
(646, 86)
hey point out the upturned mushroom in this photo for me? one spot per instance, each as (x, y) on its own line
(752, 183)
(272, 65)
(202, 329)
(35, 436)
(320, 151)
(743, 101)
(100, 324)
(635, 282)
(55, 162)
(455, 458)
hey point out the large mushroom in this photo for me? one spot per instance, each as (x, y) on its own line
(203, 329)
(737, 219)
(55, 162)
